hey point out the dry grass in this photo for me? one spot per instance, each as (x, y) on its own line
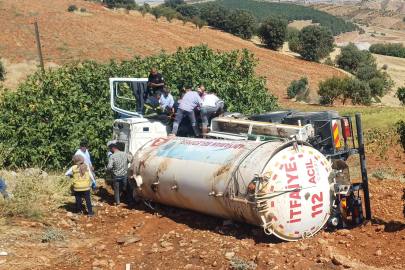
(34, 195)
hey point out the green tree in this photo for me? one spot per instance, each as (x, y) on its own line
(72, 8)
(293, 39)
(157, 12)
(145, 7)
(350, 58)
(169, 13)
(332, 89)
(198, 22)
(214, 14)
(316, 43)
(188, 10)
(2, 71)
(241, 23)
(273, 31)
(173, 3)
(297, 87)
(359, 92)
(401, 96)
(44, 121)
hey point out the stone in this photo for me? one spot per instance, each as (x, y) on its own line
(342, 260)
(188, 266)
(129, 239)
(323, 260)
(89, 225)
(2, 261)
(194, 241)
(3, 253)
(229, 255)
(342, 242)
(167, 249)
(96, 263)
(378, 253)
(165, 244)
(103, 263)
(69, 214)
(321, 241)
(214, 264)
(349, 236)
(343, 232)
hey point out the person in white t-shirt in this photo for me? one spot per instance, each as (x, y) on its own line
(210, 104)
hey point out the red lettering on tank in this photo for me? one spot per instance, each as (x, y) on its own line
(294, 221)
(294, 204)
(312, 180)
(291, 178)
(292, 214)
(311, 172)
(291, 167)
(295, 195)
(316, 198)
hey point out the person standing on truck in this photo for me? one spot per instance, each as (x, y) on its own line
(82, 151)
(210, 104)
(190, 101)
(166, 101)
(118, 167)
(152, 108)
(83, 180)
(177, 102)
(202, 87)
(3, 191)
(156, 81)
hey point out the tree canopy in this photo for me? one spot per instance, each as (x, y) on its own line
(273, 31)
(316, 42)
(241, 23)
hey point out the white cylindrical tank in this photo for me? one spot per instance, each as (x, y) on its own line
(282, 187)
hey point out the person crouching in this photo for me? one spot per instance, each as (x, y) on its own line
(83, 180)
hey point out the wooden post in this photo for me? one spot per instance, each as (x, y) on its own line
(41, 60)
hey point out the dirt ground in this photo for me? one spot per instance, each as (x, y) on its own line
(110, 34)
(176, 239)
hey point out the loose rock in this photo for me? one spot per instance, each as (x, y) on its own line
(229, 255)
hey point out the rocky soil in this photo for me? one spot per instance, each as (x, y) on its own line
(171, 238)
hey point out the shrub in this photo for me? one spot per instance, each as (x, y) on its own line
(185, 19)
(391, 49)
(385, 67)
(329, 62)
(372, 35)
(315, 43)
(273, 32)
(143, 12)
(83, 10)
(188, 10)
(241, 23)
(297, 86)
(110, 3)
(179, 16)
(72, 8)
(198, 22)
(214, 14)
(44, 121)
(361, 32)
(400, 125)
(169, 13)
(53, 235)
(2, 71)
(400, 94)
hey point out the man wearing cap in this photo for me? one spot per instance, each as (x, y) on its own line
(86, 155)
(190, 101)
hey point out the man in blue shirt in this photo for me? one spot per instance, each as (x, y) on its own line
(166, 100)
(190, 101)
(85, 153)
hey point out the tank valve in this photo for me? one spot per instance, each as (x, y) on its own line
(211, 193)
(173, 187)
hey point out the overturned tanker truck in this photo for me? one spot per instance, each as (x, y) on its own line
(284, 171)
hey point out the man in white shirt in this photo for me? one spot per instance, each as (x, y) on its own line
(166, 100)
(85, 153)
(210, 104)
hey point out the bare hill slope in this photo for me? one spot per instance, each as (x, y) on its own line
(101, 34)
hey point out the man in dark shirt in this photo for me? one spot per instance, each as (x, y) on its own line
(152, 108)
(156, 81)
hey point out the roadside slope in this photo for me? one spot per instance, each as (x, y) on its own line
(101, 34)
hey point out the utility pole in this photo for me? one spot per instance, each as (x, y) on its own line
(41, 60)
